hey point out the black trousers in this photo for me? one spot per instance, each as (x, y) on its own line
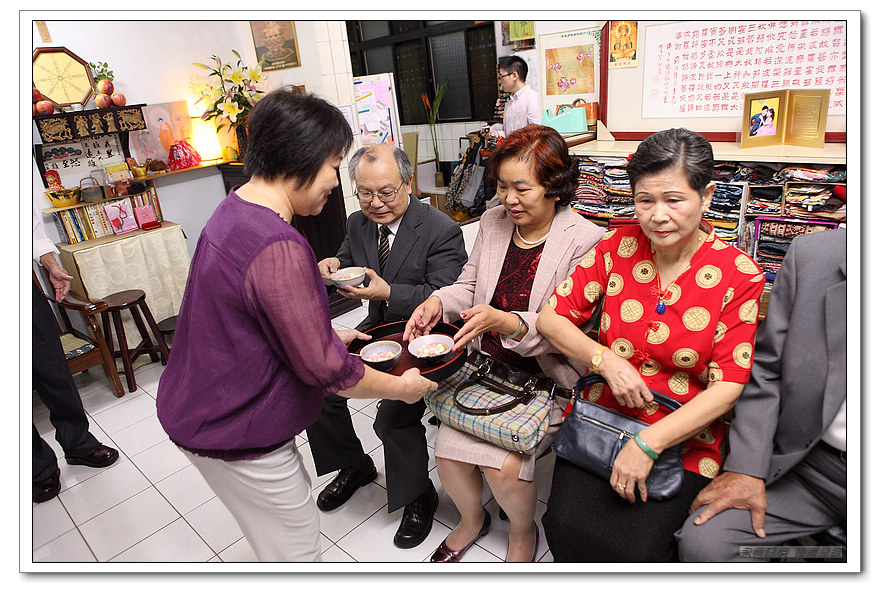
(335, 445)
(56, 388)
(587, 521)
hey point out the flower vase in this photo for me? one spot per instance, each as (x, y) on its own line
(241, 138)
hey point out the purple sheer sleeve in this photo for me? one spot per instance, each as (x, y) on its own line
(284, 286)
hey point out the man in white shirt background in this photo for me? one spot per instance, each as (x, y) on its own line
(524, 105)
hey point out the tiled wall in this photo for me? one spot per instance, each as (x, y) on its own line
(337, 76)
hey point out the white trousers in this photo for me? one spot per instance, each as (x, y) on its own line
(271, 499)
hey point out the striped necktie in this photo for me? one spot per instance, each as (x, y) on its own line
(384, 249)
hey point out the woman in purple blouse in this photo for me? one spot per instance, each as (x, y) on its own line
(254, 351)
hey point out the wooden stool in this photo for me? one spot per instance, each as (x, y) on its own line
(132, 300)
(166, 328)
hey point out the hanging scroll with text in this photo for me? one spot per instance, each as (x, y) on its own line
(704, 69)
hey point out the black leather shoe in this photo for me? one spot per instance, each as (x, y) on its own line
(102, 456)
(344, 485)
(49, 488)
(418, 518)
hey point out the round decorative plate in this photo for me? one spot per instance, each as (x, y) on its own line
(61, 76)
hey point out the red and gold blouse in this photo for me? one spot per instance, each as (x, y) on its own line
(700, 329)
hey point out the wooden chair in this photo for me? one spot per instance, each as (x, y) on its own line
(85, 351)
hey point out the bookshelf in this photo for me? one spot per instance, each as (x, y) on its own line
(85, 222)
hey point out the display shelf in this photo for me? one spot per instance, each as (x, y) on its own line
(169, 173)
(830, 154)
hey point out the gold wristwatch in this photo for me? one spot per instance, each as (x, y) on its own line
(597, 359)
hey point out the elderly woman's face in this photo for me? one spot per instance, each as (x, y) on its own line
(669, 209)
(523, 195)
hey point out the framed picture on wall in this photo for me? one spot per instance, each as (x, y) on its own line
(763, 119)
(275, 42)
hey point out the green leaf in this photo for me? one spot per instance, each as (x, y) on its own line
(202, 66)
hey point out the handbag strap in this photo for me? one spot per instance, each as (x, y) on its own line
(593, 378)
(491, 373)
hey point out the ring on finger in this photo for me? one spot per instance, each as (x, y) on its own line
(621, 486)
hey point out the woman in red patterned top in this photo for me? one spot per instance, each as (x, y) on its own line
(679, 317)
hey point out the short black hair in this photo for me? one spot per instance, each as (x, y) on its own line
(514, 64)
(291, 136)
(674, 148)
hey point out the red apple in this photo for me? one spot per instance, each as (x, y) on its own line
(38, 96)
(45, 107)
(103, 101)
(104, 87)
(118, 99)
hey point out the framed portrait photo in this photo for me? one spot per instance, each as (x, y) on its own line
(275, 44)
(764, 119)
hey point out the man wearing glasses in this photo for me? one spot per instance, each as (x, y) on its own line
(524, 106)
(409, 249)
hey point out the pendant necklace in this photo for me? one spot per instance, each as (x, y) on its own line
(516, 228)
(665, 295)
(274, 203)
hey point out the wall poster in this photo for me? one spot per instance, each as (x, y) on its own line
(570, 62)
(623, 42)
(704, 68)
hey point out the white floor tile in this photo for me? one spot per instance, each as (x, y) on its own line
(138, 406)
(104, 398)
(160, 461)
(70, 547)
(140, 436)
(240, 551)
(147, 377)
(334, 554)
(175, 543)
(116, 484)
(186, 489)
(372, 541)
(369, 500)
(51, 520)
(215, 524)
(126, 524)
(363, 427)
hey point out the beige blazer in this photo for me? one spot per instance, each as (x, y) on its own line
(571, 238)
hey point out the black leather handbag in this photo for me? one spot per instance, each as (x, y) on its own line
(591, 436)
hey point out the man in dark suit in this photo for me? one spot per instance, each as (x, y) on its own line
(409, 249)
(55, 385)
(785, 476)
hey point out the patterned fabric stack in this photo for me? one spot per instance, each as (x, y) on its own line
(765, 200)
(724, 211)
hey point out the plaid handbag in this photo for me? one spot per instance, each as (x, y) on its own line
(495, 402)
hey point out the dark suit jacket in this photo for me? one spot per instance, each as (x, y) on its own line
(428, 252)
(798, 380)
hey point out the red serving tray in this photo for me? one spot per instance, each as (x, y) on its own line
(435, 370)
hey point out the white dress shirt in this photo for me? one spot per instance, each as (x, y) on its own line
(522, 108)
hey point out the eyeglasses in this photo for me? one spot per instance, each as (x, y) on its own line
(384, 195)
(508, 74)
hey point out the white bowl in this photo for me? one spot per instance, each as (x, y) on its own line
(429, 340)
(348, 276)
(382, 346)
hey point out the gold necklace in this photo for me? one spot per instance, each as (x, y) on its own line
(274, 203)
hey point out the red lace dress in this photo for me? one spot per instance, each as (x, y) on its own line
(512, 293)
